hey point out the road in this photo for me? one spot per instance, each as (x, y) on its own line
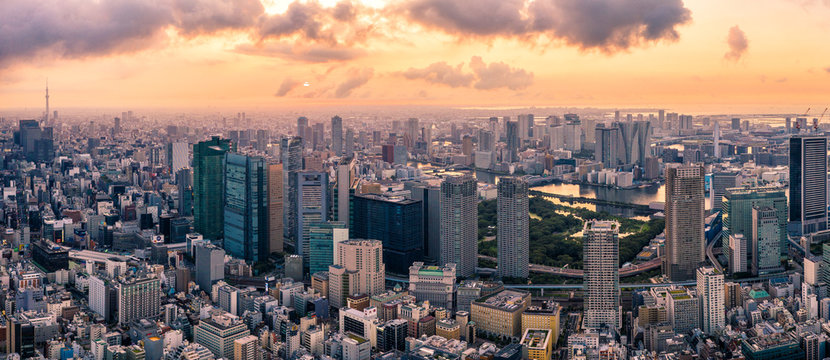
(577, 273)
(711, 254)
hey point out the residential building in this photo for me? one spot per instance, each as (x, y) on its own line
(513, 230)
(601, 253)
(459, 224)
(684, 222)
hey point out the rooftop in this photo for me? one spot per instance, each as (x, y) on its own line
(510, 300)
(535, 338)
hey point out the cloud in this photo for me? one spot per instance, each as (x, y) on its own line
(310, 53)
(498, 75)
(81, 28)
(287, 85)
(441, 73)
(605, 25)
(482, 76)
(827, 69)
(738, 44)
(356, 79)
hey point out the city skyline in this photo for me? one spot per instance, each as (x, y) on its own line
(692, 55)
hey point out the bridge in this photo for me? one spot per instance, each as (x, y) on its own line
(639, 208)
(577, 273)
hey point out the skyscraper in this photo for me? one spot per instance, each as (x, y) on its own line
(275, 208)
(291, 154)
(348, 142)
(210, 265)
(459, 223)
(601, 256)
(736, 210)
(208, 186)
(178, 156)
(684, 222)
(324, 239)
(513, 228)
(808, 184)
(721, 180)
(246, 207)
(302, 125)
(716, 138)
(412, 131)
(710, 291)
(308, 200)
(366, 258)
(345, 179)
(606, 145)
(766, 241)
(396, 221)
(513, 141)
(337, 135)
(36, 141)
(430, 197)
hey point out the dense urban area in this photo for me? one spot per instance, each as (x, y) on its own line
(565, 234)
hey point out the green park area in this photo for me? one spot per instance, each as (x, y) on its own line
(555, 233)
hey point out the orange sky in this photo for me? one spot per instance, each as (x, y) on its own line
(389, 53)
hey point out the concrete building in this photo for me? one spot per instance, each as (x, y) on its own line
(365, 258)
(459, 224)
(247, 348)
(513, 230)
(434, 284)
(210, 265)
(219, 332)
(684, 222)
(543, 317)
(766, 241)
(138, 298)
(710, 289)
(275, 208)
(538, 343)
(601, 253)
(501, 313)
(736, 210)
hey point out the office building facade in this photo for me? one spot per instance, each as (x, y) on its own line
(246, 207)
(396, 221)
(513, 230)
(209, 186)
(684, 222)
(808, 184)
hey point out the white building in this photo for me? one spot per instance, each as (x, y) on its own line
(710, 291)
(601, 256)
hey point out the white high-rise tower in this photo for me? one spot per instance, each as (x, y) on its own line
(46, 119)
(716, 134)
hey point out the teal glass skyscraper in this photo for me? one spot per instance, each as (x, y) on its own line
(323, 240)
(208, 185)
(246, 207)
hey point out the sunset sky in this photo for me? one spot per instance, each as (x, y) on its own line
(694, 55)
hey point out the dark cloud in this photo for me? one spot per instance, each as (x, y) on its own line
(313, 53)
(499, 75)
(356, 79)
(441, 73)
(287, 85)
(80, 28)
(607, 25)
(738, 44)
(483, 76)
(310, 21)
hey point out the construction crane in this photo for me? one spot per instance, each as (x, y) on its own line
(815, 123)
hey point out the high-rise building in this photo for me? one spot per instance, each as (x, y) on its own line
(716, 138)
(302, 125)
(412, 132)
(323, 241)
(275, 208)
(684, 222)
(138, 298)
(291, 153)
(345, 179)
(710, 290)
(396, 221)
(246, 207)
(513, 230)
(601, 253)
(308, 199)
(219, 332)
(808, 184)
(459, 224)
(634, 141)
(209, 186)
(210, 265)
(342, 284)
(247, 348)
(337, 135)
(736, 210)
(430, 197)
(366, 258)
(178, 156)
(513, 141)
(35, 141)
(606, 145)
(766, 241)
(720, 182)
(184, 184)
(348, 143)
(434, 284)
